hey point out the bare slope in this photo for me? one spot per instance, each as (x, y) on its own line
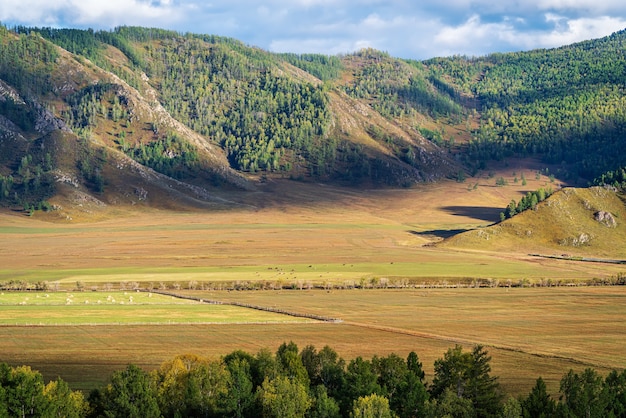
(576, 222)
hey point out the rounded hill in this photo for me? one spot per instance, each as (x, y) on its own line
(571, 222)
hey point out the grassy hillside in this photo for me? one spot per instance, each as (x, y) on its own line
(571, 222)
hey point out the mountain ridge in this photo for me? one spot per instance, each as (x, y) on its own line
(211, 114)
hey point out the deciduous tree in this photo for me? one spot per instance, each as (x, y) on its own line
(131, 394)
(371, 406)
(282, 397)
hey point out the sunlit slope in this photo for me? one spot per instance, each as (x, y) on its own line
(585, 222)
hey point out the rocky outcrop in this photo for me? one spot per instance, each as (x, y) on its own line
(605, 218)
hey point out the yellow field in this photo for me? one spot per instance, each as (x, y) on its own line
(317, 236)
(324, 235)
(529, 332)
(123, 308)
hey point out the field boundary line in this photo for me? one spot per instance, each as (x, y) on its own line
(463, 341)
(249, 306)
(582, 259)
(143, 324)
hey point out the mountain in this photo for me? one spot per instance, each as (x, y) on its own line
(159, 118)
(565, 105)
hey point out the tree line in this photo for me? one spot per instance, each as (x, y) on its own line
(321, 66)
(615, 178)
(311, 383)
(529, 201)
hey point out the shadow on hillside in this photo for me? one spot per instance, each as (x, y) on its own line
(481, 213)
(439, 233)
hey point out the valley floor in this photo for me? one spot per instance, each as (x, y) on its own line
(317, 236)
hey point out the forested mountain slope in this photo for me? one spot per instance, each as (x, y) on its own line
(141, 115)
(206, 111)
(566, 105)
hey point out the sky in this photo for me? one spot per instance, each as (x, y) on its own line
(403, 28)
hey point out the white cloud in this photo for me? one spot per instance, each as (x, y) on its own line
(93, 13)
(572, 30)
(474, 37)
(312, 3)
(374, 21)
(120, 10)
(29, 11)
(404, 28)
(525, 7)
(271, 14)
(591, 6)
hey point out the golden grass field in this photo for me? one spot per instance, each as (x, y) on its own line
(324, 236)
(530, 332)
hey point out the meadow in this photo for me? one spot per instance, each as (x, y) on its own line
(324, 251)
(529, 332)
(122, 308)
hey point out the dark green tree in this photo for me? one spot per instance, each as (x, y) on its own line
(392, 377)
(4, 402)
(240, 396)
(265, 367)
(412, 397)
(615, 393)
(538, 403)
(468, 375)
(291, 363)
(332, 371)
(414, 365)
(253, 367)
(130, 394)
(583, 394)
(361, 381)
(310, 361)
(451, 372)
(323, 406)
(482, 388)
